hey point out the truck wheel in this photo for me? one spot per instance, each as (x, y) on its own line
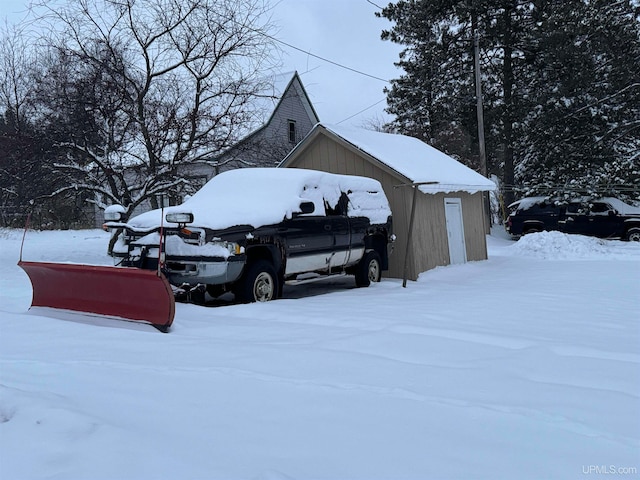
(216, 290)
(369, 269)
(197, 295)
(633, 235)
(258, 284)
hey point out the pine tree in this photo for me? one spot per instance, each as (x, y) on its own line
(560, 83)
(434, 99)
(582, 132)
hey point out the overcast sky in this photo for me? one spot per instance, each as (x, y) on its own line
(348, 33)
(343, 31)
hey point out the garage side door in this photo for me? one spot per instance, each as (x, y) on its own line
(455, 230)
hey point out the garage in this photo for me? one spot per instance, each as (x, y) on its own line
(445, 196)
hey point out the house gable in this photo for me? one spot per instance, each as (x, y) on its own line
(271, 142)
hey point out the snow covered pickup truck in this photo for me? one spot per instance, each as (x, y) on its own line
(251, 230)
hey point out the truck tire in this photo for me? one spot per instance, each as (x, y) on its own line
(258, 284)
(369, 269)
(633, 234)
(197, 295)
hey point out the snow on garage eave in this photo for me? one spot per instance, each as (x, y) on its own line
(414, 159)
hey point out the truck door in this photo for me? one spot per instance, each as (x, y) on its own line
(575, 219)
(602, 221)
(308, 241)
(341, 229)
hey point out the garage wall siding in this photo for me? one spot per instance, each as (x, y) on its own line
(474, 228)
(430, 244)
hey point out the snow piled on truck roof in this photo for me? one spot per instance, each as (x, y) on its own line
(622, 207)
(415, 159)
(264, 196)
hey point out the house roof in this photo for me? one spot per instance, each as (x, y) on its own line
(267, 101)
(275, 87)
(409, 157)
(270, 96)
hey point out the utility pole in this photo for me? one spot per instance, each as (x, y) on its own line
(479, 106)
(480, 116)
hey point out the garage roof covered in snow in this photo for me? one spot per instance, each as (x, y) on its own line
(413, 159)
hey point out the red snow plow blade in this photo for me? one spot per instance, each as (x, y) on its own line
(129, 294)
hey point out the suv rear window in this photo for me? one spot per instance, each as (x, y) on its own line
(576, 209)
(600, 208)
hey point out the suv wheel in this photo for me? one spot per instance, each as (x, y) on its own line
(258, 284)
(369, 269)
(633, 234)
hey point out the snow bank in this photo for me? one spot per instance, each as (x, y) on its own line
(562, 246)
(524, 366)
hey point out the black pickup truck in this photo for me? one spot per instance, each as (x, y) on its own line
(601, 217)
(251, 230)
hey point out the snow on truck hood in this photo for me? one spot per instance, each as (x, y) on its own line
(264, 196)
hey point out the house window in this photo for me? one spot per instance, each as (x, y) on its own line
(292, 131)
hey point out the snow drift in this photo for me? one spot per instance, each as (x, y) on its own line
(524, 366)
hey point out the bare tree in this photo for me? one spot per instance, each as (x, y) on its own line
(16, 67)
(164, 83)
(377, 123)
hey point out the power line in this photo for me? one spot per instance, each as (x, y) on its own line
(260, 32)
(361, 111)
(359, 72)
(375, 5)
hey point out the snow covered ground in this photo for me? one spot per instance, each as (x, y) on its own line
(523, 366)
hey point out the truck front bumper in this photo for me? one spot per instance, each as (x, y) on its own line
(208, 271)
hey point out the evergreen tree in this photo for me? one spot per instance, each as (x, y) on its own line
(582, 131)
(434, 99)
(560, 83)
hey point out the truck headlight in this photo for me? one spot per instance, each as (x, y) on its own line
(234, 248)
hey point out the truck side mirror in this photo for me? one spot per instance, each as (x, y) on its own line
(307, 207)
(114, 213)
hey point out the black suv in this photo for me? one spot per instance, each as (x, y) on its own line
(602, 217)
(251, 230)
